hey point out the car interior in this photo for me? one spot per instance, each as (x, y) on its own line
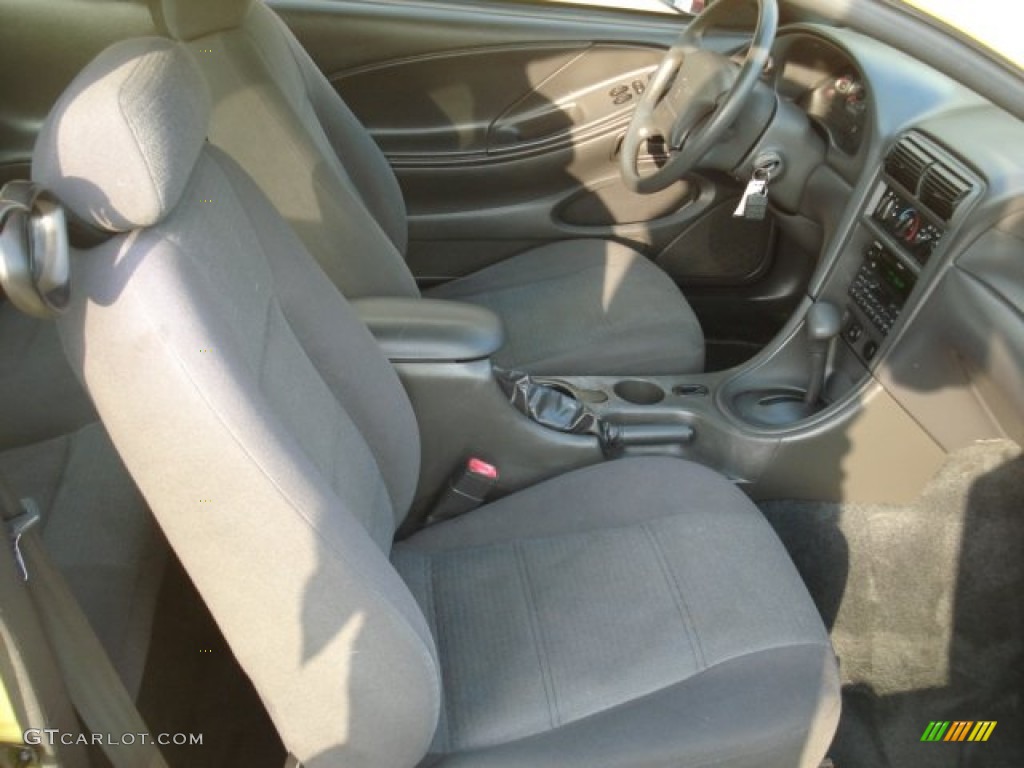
(484, 383)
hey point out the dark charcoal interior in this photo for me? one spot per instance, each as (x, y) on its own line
(504, 282)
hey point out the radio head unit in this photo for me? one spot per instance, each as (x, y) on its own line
(878, 293)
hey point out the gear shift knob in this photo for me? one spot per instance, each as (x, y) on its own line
(822, 325)
(822, 321)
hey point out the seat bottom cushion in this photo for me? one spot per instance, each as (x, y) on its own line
(585, 307)
(636, 613)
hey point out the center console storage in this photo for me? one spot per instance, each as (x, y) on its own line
(430, 330)
(532, 428)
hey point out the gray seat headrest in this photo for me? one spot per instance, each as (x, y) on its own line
(34, 269)
(188, 19)
(120, 144)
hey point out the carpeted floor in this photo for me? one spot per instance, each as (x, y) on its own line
(194, 685)
(926, 607)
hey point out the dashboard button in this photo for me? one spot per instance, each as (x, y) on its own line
(870, 350)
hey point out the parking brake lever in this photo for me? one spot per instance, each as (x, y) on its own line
(616, 438)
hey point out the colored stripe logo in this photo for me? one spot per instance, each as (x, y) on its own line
(959, 730)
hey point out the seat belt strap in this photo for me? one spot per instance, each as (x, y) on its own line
(95, 689)
(35, 694)
(15, 751)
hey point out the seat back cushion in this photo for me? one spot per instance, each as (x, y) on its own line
(276, 114)
(189, 19)
(272, 440)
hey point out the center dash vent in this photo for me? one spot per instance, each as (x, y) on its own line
(929, 175)
(907, 162)
(943, 190)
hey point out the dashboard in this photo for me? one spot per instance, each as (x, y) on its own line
(829, 87)
(920, 202)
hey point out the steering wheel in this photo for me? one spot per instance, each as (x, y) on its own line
(694, 95)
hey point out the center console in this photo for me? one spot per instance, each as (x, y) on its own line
(888, 255)
(786, 419)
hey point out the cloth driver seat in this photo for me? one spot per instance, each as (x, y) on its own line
(584, 306)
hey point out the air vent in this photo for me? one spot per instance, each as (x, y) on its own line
(942, 191)
(907, 162)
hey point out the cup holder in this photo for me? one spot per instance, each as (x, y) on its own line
(639, 392)
(779, 407)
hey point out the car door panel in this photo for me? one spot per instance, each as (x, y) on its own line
(496, 101)
(503, 121)
(595, 90)
(500, 144)
(441, 108)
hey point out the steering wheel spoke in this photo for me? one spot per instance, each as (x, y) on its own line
(659, 122)
(693, 97)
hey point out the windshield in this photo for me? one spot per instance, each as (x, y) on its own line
(993, 23)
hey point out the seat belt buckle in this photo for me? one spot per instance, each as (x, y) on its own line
(17, 526)
(468, 488)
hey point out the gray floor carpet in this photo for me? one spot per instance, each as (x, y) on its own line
(194, 685)
(925, 603)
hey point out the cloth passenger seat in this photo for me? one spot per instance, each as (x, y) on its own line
(635, 613)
